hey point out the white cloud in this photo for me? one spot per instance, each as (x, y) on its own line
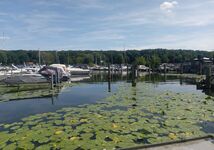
(168, 6)
(36, 22)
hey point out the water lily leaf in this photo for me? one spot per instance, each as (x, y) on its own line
(10, 146)
(58, 132)
(172, 136)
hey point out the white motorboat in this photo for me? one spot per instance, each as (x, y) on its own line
(75, 71)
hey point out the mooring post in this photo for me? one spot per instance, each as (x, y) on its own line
(137, 71)
(181, 81)
(109, 78)
(208, 77)
(52, 81)
(52, 99)
(127, 70)
(109, 71)
(121, 67)
(164, 68)
(181, 68)
(165, 77)
(133, 75)
(56, 76)
(200, 68)
(149, 69)
(109, 85)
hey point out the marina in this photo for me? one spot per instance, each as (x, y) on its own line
(106, 75)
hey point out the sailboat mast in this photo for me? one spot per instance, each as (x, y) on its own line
(39, 59)
(57, 58)
(68, 58)
(2, 43)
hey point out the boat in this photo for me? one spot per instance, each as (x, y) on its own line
(76, 71)
(58, 71)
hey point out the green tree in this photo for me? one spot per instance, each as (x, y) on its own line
(155, 61)
(140, 60)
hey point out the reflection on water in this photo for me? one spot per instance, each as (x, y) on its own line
(157, 109)
(71, 96)
(90, 90)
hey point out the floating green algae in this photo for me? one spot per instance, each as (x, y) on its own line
(132, 116)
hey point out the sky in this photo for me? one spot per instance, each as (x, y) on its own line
(106, 24)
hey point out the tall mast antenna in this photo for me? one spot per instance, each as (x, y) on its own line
(39, 58)
(2, 41)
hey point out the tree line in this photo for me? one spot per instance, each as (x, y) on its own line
(149, 57)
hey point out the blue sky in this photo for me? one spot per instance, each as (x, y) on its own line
(106, 24)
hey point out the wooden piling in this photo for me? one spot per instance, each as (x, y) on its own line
(55, 81)
(181, 81)
(164, 68)
(52, 81)
(121, 67)
(57, 74)
(137, 71)
(133, 75)
(208, 77)
(181, 68)
(127, 70)
(109, 71)
(109, 85)
(109, 78)
(200, 68)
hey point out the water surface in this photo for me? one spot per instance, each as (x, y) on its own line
(95, 116)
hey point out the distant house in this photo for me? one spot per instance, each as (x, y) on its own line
(199, 65)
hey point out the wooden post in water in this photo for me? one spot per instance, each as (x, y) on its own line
(200, 59)
(109, 71)
(52, 100)
(52, 81)
(181, 68)
(149, 69)
(56, 77)
(181, 81)
(133, 75)
(109, 78)
(121, 67)
(200, 68)
(127, 70)
(208, 77)
(164, 68)
(137, 71)
(109, 85)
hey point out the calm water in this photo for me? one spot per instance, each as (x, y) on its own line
(94, 114)
(88, 91)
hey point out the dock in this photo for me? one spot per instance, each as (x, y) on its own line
(200, 143)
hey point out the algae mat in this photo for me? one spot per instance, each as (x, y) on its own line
(133, 116)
